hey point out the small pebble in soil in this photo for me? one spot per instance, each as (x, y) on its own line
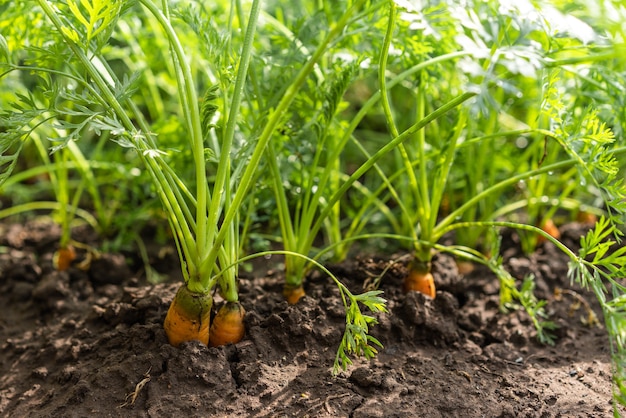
(40, 372)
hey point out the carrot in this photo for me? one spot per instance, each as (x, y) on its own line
(585, 217)
(549, 227)
(227, 326)
(464, 267)
(188, 317)
(420, 279)
(293, 293)
(63, 257)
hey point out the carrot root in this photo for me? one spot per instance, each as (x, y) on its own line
(420, 279)
(63, 257)
(293, 293)
(465, 267)
(585, 217)
(552, 230)
(227, 326)
(188, 317)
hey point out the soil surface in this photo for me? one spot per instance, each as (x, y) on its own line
(89, 342)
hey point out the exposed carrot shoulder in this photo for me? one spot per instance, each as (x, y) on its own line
(420, 279)
(293, 293)
(586, 217)
(63, 257)
(464, 267)
(550, 227)
(227, 326)
(188, 317)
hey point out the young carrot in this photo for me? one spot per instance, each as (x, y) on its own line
(293, 293)
(549, 227)
(63, 257)
(585, 217)
(227, 326)
(188, 317)
(464, 267)
(420, 279)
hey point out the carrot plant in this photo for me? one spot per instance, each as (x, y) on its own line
(325, 187)
(428, 161)
(566, 139)
(56, 169)
(62, 157)
(318, 179)
(305, 161)
(226, 129)
(204, 241)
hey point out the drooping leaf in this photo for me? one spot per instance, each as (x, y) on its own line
(10, 147)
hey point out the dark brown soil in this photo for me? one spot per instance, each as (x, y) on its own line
(90, 343)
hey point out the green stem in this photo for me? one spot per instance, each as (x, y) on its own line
(43, 205)
(557, 202)
(284, 217)
(63, 196)
(87, 176)
(615, 51)
(388, 185)
(371, 102)
(187, 93)
(384, 91)
(452, 104)
(442, 177)
(271, 125)
(223, 168)
(382, 68)
(424, 208)
(442, 226)
(515, 225)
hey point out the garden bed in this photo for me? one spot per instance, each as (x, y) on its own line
(91, 343)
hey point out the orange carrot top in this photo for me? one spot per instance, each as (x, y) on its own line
(188, 317)
(227, 326)
(420, 279)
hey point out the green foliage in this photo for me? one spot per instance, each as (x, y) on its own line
(97, 18)
(601, 266)
(512, 297)
(356, 339)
